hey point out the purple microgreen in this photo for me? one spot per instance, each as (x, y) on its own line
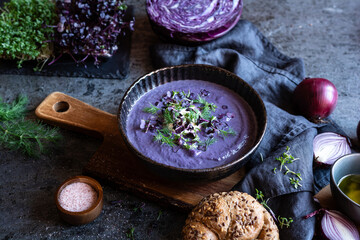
(204, 92)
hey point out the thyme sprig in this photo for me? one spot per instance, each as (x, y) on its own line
(18, 133)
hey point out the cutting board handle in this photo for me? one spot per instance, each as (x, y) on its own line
(62, 110)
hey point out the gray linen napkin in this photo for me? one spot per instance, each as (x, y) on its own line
(247, 53)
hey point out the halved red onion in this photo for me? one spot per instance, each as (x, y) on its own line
(336, 226)
(193, 21)
(329, 146)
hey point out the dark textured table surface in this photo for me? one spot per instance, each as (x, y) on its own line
(325, 33)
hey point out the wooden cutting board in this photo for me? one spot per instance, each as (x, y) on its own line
(114, 163)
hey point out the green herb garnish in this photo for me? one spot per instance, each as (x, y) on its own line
(225, 133)
(152, 109)
(17, 133)
(186, 121)
(287, 158)
(130, 233)
(161, 137)
(261, 198)
(284, 222)
(159, 215)
(295, 182)
(207, 142)
(25, 30)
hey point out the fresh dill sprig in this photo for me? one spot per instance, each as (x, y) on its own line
(160, 137)
(207, 142)
(18, 133)
(152, 109)
(284, 222)
(14, 110)
(225, 133)
(200, 100)
(192, 115)
(168, 118)
(206, 107)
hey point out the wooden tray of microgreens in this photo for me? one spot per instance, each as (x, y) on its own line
(114, 163)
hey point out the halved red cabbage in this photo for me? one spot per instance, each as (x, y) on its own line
(193, 20)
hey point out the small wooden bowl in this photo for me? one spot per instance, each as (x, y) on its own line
(78, 218)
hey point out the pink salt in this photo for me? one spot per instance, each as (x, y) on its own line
(77, 197)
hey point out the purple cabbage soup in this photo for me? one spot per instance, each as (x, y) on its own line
(192, 124)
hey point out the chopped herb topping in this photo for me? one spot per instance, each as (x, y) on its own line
(186, 120)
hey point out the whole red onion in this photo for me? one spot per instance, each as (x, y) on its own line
(315, 98)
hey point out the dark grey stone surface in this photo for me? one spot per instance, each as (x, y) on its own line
(325, 33)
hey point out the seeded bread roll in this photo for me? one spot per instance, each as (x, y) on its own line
(197, 230)
(228, 215)
(269, 231)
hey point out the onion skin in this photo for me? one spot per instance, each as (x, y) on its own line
(315, 98)
(336, 226)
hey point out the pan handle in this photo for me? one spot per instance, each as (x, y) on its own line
(62, 110)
